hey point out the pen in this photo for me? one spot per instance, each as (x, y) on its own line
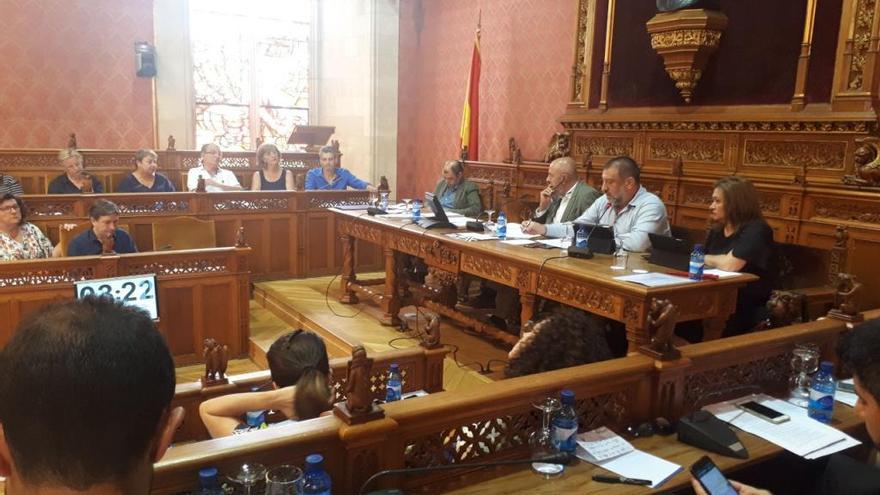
(602, 478)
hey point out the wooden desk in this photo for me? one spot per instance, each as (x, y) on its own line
(584, 284)
(577, 477)
(203, 293)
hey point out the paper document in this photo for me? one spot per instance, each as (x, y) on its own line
(800, 435)
(555, 242)
(721, 273)
(631, 464)
(602, 444)
(653, 279)
(517, 242)
(848, 398)
(471, 236)
(514, 231)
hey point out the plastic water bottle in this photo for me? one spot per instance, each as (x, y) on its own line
(394, 385)
(581, 236)
(209, 484)
(383, 200)
(564, 427)
(501, 226)
(698, 261)
(416, 210)
(316, 481)
(256, 419)
(821, 406)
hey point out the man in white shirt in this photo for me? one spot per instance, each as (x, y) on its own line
(627, 207)
(565, 197)
(216, 178)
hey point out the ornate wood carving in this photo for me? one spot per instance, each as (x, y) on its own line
(861, 43)
(576, 294)
(254, 204)
(151, 207)
(534, 179)
(214, 264)
(848, 127)
(46, 209)
(827, 155)
(46, 277)
(360, 230)
(492, 269)
(579, 68)
(842, 210)
(695, 195)
(603, 146)
(770, 204)
(698, 150)
(770, 373)
(442, 253)
(560, 145)
(490, 174)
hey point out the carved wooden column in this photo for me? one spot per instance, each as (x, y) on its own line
(798, 101)
(348, 274)
(855, 78)
(390, 299)
(527, 310)
(606, 64)
(583, 53)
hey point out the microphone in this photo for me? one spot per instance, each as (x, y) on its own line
(585, 252)
(557, 458)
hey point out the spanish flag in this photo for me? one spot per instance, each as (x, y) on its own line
(470, 114)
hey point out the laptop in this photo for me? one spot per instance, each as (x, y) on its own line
(600, 237)
(670, 252)
(440, 220)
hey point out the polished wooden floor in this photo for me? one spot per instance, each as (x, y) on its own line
(279, 306)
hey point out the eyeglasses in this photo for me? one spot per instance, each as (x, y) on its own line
(12, 207)
(660, 426)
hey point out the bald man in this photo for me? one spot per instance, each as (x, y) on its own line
(565, 197)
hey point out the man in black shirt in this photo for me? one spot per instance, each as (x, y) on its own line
(103, 237)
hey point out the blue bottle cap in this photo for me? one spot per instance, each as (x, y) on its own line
(394, 367)
(567, 396)
(314, 461)
(698, 247)
(207, 477)
(826, 367)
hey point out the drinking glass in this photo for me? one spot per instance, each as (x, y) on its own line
(374, 198)
(249, 479)
(489, 218)
(541, 440)
(621, 256)
(805, 361)
(566, 242)
(407, 202)
(284, 480)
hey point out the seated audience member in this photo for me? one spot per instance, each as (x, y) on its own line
(741, 241)
(564, 338)
(627, 207)
(216, 178)
(301, 374)
(566, 197)
(328, 176)
(75, 178)
(859, 353)
(9, 185)
(103, 237)
(456, 193)
(144, 178)
(86, 388)
(20, 240)
(271, 176)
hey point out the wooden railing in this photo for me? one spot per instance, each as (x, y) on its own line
(420, 369)
(291, 233)
(202, 293)
(493, 421)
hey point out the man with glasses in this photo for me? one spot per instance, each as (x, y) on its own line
(216, 178)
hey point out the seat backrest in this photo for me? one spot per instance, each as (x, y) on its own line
(183, 233)
(65, 236)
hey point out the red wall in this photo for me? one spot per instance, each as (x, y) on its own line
(527, 52)
(69, 66)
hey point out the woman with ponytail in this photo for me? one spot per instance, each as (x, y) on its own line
(301, 377)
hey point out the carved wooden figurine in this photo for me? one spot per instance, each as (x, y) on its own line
(358, 406)
(560, 145)
(431, 338)
(383, 184)
(866, 159)
(239, 238)
(785, 308)
(71, 141)
(216, 361)
(200, 185)
(846, 303)
(515, 153)
(171, 143)
(662, 317)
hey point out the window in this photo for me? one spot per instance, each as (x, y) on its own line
(251, 64)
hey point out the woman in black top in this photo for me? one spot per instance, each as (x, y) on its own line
(271, 176)
(75, 180)
(145, 178)
(741, 241)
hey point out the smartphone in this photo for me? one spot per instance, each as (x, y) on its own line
(763, 412)
(711, 478)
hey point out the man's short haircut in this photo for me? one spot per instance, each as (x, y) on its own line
(327, 149)
(626, 168)
(567, 165)
(859, 352)
(102, 208)
(456, 166)
(84, 385)
(206, 146)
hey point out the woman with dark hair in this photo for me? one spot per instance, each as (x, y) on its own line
(301, 376)
(456, 193)
(20, 240)
(741, 241)
(144, 178)
(564, 338)
(271, 176)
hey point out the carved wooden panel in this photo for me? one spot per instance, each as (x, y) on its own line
(603, 146)
(825, 127)
(577, 294)
(796, 154)
(686, 149)
(487, 267)
(841, 209)
(768, 373)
